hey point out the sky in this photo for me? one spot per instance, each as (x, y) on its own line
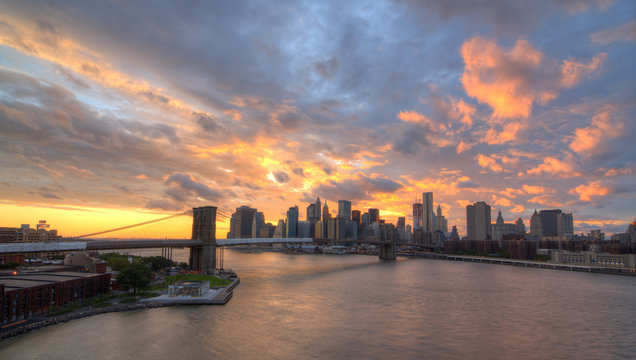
(116, 112)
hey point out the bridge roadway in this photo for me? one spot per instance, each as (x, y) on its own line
(112, 244)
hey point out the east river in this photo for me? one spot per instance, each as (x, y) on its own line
(358, 307)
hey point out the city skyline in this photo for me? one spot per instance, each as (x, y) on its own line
(115, 113)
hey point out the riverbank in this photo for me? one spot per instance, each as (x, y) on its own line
(525, 263)
(220, 299)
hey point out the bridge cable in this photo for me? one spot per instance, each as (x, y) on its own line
(130, 226)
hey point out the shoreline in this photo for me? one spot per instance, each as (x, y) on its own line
(526, 263)
(223, 298)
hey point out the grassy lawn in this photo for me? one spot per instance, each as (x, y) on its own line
(214, 281)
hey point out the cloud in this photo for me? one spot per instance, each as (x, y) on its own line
(281, 177)
(555, 167)
(592, 190)
(602, 129)
(622, 32)
(207, 122)
(510, 82)
(327, 69)
(468, 184)
(616, 172)
(489, 163)
(361, 187)
(185, 186)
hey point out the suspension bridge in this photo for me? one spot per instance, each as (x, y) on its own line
(203, 243)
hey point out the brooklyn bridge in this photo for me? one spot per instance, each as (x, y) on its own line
(203, 244)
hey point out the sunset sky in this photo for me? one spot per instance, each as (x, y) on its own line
(118, 112)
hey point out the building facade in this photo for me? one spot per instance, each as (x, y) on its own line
(478, 221)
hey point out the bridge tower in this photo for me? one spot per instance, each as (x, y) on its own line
(387, 251)
(204, 228)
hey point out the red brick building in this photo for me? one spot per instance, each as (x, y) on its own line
(28, 294)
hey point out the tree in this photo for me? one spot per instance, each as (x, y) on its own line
(157, 262)
(135, 276)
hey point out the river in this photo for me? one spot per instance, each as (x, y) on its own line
(358, 307)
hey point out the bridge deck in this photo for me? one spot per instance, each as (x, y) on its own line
(111, 244)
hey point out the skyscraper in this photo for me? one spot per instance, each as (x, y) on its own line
(478, 221)
(427, 212)
(549, 222)
(521, 227)
(258, 221)
(317, 210)
(241, 222)
(417, 216)
(292, 222)
(440, 221)
(565, 224)
(344, 209)
(311, 212)
(355, 216)
(535, 225)
(374, 215)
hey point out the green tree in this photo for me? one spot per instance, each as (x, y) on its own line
(157, 262)
(118, 263)
(135, 276)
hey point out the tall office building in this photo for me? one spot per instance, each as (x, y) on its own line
(549, 222)
(374, 215)
(565, 224)
(355, 216)
(501, 228)
(521, 227)
(325, 212)
(535, 225)
(401, 223)
(280, 233)
(311, 212)
(427, 212)
(292, 222)
(258, 221)
(417, 216)
(344, 209)
(318, 218)
(241, 222)
(440, 221)
(478, 221)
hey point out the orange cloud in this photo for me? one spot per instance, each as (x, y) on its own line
(590, 137)
(533, 189)
(572, 72)
(512, 81)
(415, 117)
(489, 163)
(591, 190)
(234, 114)
(554, 166)
(615, 172)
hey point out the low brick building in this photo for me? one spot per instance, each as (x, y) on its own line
(28, 294)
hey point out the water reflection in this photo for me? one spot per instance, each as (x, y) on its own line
(314, 306)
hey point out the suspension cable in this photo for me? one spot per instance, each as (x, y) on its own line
(131, 226)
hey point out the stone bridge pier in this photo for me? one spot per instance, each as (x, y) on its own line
(204, 228)
(387, 251)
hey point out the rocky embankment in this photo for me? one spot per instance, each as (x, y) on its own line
(19, 330)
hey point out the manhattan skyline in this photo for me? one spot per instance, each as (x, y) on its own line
(113, 113)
